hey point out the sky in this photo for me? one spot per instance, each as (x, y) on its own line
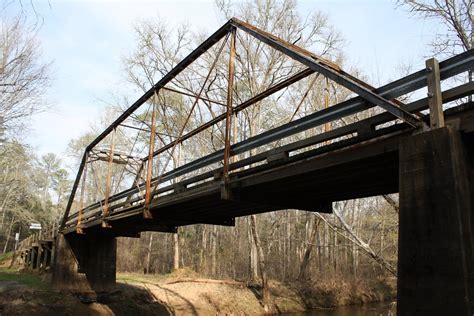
(86, 41)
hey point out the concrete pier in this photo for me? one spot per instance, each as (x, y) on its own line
(87, 263)
(435, 237)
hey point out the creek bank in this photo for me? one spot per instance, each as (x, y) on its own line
(337, 292)
(182, 292)
(185, 292)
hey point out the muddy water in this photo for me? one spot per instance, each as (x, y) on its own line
(374, 309)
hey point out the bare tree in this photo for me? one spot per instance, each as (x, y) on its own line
(457, 18)
(455, 15)
(24, 77)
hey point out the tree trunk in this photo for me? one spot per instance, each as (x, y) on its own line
(261, 262)
(202, 257)
(214, 251)
(176, 251)
(8, 235)
(253, 255)
(148, 255)
(4, 203)
(309, 248)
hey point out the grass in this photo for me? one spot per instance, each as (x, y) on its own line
(6, 256)
(156, 278)
(139, 278)
(27, 279)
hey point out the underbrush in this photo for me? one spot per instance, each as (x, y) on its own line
(339, 292)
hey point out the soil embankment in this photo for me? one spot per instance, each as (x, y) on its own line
(180, 293)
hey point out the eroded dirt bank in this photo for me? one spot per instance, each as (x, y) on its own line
(179, 293)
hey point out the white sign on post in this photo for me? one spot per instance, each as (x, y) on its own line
(35, 226)
(17, 236)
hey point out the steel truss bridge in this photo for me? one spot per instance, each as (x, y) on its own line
(379, 140)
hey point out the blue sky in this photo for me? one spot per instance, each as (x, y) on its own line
(87, 39)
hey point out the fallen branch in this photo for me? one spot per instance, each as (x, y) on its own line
(211, 281)
(366, 249)
(394, 204)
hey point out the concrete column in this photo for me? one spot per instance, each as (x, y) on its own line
(45, 257)
(34, 257)
(84, 262)
(28, 258)
(39, 257)
(435, 236)
(53, 252)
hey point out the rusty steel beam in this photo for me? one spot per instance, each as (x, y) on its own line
(201, 49)
(322, 66)
(81, 203)
(195, 54)
(74, 189)
(416, 106)
(193, 95)
(149, 167)
(402, 86)
(310, 86)
(277, 87)
(117, 158)
(145, 130)
(225, 192)
(228, 116)
(180, 134)
(108, 181)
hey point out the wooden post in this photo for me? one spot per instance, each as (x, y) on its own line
(435, 100)
(225, 193)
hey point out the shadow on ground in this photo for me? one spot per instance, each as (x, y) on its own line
(18, 298)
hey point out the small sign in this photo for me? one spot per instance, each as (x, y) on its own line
(36, 226)
(17, 236)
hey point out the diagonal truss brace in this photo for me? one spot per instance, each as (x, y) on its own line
(326, 69)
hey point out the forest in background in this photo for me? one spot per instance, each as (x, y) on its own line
(358, 241)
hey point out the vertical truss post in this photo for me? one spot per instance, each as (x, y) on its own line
(108, 180)
(234, 134)
(81, 203)
(327, 125)
(225, 192)
(435, 100)
(136, 181)
(151, 149)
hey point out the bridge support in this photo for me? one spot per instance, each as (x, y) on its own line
(435, 237)
(84, 263)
